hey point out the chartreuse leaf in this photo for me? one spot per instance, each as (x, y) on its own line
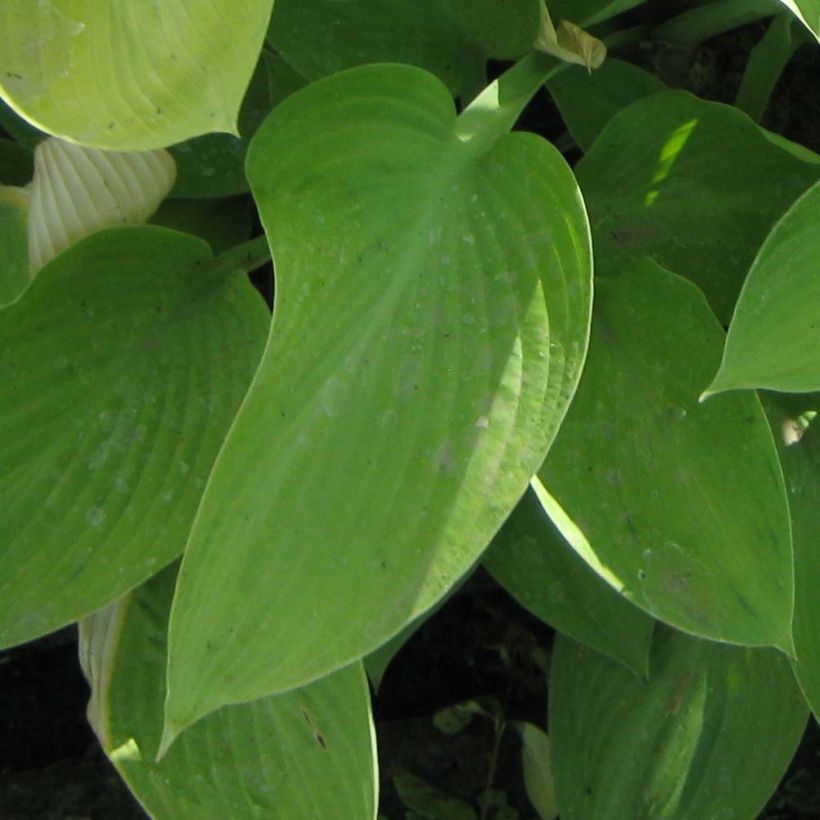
(695, 185)
(682, 506)
(797, 432)
(589, 100)
(808, 12)
(432, 306)
(450, 38)
(534, 563)
(129, 76)
(774, 338)
(307, 753)
(709, 734)
(121, 368)
(78, 190)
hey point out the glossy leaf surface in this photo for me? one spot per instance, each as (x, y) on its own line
(710, 733)
(774, 338)
(682, 505)
(533, 562)
(121, 367)
(308, 753)
(695, 185)
(129, 76)
(432, 303)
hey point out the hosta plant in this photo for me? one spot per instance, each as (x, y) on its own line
(586, 359)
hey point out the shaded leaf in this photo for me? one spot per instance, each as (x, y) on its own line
(129, 76)
(432, 305)
(121, 368)
(533, 562)
(430, 802)
(695, 185)
(588, 101)
(450, 38)
(800, 457)
(774, 338)
(682, 505)
(589, 12)
(308, 753)
(710, 734)
(16, 163)
(13, 243)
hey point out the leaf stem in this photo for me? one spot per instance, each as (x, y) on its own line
(246, 257)
(493, 113)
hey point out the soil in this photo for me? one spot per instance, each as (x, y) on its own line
(481, 645)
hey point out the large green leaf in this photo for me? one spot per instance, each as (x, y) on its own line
(682, 505)
(588, 100)
(774, 338)
(797, 432)
(534, 563)
(129, 76)
(709, 735)
(696, 185)
(450, 38)
(808, 12)
(432, 308)
(308, 753)
(121, 368)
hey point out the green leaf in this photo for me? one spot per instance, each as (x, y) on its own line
(308, 753)
(129, 76)
(589, 12)
(16, 163)
(121, 368)
(430, 803)
(77, 190)
(774, 338)
(797, 432)
(693, 184)
(588, 101)
(214, 165)
(222, 223)
(710, 733)
(432, 306)
(682, 505)
(450, 38)
(534, 563)
(14, 276)
(808, 12)
(536, 759)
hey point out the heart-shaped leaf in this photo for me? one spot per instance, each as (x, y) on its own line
(682, 505)
(121, 368)
(129, 76)
(774, 338)
(709, 734)
(307, 753)
(432, 307)
(695, 185)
